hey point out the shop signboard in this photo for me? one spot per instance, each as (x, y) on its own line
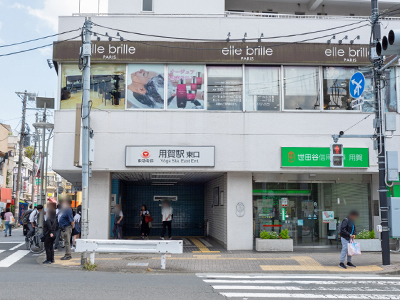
(170, 156)
(319, 157)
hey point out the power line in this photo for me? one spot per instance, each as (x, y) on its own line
(41, 38)
(224, 40)
(39, 47)
(270, 46)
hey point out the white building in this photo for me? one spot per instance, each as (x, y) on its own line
(243, 140)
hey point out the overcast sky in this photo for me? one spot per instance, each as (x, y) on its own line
(24, 20)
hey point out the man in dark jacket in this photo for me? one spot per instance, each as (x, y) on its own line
(347, 232)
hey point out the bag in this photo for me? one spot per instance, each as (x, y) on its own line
(25, 217)
(150, 225)
(12, 220)
(353, 248)
(148, 219)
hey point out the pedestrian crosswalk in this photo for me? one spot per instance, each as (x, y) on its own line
(11, 253)
(270, 286)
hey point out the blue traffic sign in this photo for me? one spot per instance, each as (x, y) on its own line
(357, 85)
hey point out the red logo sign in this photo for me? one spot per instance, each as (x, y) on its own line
(291, 157)
(145, 154)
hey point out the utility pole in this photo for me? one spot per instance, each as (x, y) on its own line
(86, 53)
(377, 61)
(24, 97)
(33, 169)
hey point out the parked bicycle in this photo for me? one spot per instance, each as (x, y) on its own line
(34, 244)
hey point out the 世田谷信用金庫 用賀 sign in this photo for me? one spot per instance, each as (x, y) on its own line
(319, 157)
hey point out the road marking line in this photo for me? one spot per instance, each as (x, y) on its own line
(9, 242)
(13, 258)
(306, 282)
(318, 268)
(310, 296)
(201, 246)
(322, 276)
(2, 251)
(297, 288)
(15, 247)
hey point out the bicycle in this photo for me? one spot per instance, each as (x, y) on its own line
(34, 244)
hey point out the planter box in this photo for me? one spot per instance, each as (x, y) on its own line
(274, 245)
(370, 245)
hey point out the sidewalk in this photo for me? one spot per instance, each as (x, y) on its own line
(204, 260)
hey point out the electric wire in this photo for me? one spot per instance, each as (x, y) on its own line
(38, 39)
(366, 117)
(224, 40)
(269, 46)
(39, 47)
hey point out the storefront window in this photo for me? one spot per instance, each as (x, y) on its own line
(145, 87)
(388, 92)
(186, 85)
(336, 88)
(225, 88)
(310, 211)
(262, 88)
(107, 86)
(301, 88)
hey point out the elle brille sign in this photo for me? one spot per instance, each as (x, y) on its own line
(169, 156)
(319, 157)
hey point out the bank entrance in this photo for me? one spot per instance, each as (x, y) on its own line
(187, 193)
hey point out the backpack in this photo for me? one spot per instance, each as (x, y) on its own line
(25, 217)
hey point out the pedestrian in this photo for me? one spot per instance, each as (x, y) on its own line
(347, 233)
(7, 224)
(49, 231)
(145, 222)
(33, 220)
(2, 219)
(67, 224)
(76, 233)
(118, 222)
(58, 234)
(167, 215)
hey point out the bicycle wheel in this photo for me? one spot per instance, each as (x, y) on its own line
(36, 248)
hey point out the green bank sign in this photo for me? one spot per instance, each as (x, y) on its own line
(319, 157)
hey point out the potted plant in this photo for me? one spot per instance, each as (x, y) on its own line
(368, 242)
(271, 241)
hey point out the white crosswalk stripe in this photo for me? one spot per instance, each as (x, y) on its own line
(304, 286)
(13, 258)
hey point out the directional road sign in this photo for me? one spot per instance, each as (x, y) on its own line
(357, 85)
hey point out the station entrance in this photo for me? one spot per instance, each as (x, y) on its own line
(190, 196)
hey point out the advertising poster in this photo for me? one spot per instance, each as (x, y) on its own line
(186, 85)
(145, 86)
(225, 88)
(107, 86)
(328, 216)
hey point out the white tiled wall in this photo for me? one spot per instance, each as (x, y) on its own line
(216, 215)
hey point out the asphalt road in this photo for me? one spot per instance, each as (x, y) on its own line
(21, 277)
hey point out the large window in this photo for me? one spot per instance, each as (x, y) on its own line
(147, 5)
(262, 88)
(186, 86)
(225, 88)
(107, 86)
(145, 86)
(336, 88)
(301, 88)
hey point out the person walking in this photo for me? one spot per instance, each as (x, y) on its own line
(167, 214)
(67, 224)
(347, 233)
(50, 229)
(2, 219)
(76, 233)
(118, 222)
(33, 220)
(145, 222)
(7, 224)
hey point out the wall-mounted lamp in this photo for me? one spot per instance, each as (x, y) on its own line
(244, 37)
(261, 36)
(228, 36)
(356, 38)
(332, 38)
(344, 38)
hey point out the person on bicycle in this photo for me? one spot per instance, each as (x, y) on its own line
(33, 220)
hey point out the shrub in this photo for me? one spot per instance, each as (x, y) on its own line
(269, 235)
(89, 266)
(365, 235)
(285, 234)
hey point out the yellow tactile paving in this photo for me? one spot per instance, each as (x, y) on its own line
(77, 261)
(201, 246)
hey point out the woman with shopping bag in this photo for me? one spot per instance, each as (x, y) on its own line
(9, 221)
(145, 224)
(347, 236)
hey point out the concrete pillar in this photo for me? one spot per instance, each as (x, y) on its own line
(99, 205)
(239, 211)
